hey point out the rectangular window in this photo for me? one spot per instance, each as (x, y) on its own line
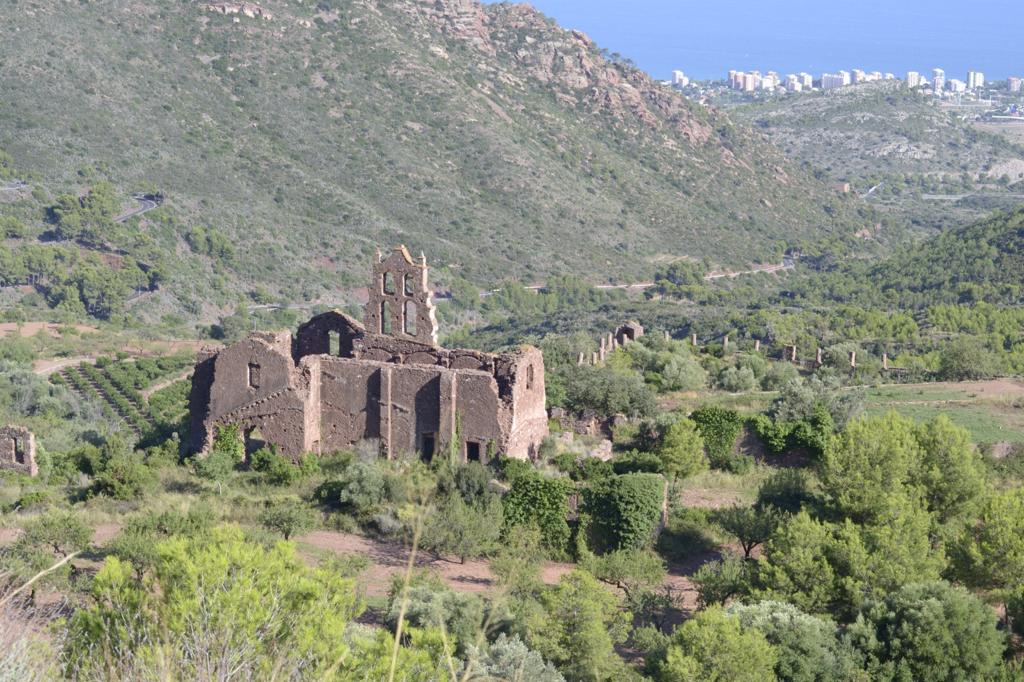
(334, 343)
(427, 447)
(385, 318)
(388, 285)
(254, 375)
(410, 318)
(409, 290)
(19, 451)
(472, 451)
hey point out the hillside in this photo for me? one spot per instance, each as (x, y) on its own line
(927, 163)
(498, 143)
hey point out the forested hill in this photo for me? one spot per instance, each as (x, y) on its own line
(310, 134)
(980, 262)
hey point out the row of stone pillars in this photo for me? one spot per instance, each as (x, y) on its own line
(609, 344)
(790, 352)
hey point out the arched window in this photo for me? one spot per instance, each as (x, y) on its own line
(410, 317)
(385, 318)
(409, 285)
(388, 284)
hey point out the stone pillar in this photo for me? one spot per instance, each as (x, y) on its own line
(757, 345)
(580, 359)
(610, 345)
(791, 351)
(385, 411)
(853, 359)
(725, 344)
(593, 358)
(602, 351)
(693, 340)
(819, 357)
(447, 400)
(668, 337)
(885, 361)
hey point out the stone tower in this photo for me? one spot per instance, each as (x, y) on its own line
(401, 303)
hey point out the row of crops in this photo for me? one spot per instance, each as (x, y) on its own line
(117, 384)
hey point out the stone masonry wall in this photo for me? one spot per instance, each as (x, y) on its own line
(18, 450)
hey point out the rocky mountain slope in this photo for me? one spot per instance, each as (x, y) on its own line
(921, 161)
(485, 135)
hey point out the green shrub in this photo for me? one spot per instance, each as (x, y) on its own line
(624, 510)
(719, 428)
(511, 469)
(634, 461)
(540, 501)
(124, 477)
(275, 469)
(359, 490)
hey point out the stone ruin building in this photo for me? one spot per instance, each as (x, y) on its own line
(338, 382)
(18, 450)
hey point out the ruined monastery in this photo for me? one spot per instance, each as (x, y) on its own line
(338, 382)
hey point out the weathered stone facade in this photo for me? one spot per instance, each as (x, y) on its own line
(338, 382)
(18, 450)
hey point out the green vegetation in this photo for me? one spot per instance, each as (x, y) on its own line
(240, 126)
(929, 167)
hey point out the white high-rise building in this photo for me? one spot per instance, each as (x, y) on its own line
(975, 80)
(751, 81)
(938, 80)
(793, 83)
(831, 81)
(914, 79)
(890, 76)
(806, 80)
(1013, 84)
(858, 76)
(956, 85)
(679, 79)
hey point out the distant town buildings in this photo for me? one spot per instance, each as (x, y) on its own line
(679, 79)
(938, 84)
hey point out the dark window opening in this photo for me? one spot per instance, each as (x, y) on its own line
(410, 318)
(408, 285)
(254, 375)
(253, 440)
(334, 343)
(385, 318)
(19, 451)
(388, 285)
(529, 378)
(427, 447)
(472, 451)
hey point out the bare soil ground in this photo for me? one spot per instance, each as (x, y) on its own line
(390, 559)
(28, 329)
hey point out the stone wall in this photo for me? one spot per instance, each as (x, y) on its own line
(336, 383)
(18, 450)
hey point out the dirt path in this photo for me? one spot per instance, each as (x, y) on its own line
(28, 329)
(51, 365)
(390, 559)
(146, 392)
(990, 388)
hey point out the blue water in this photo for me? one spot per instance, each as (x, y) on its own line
(706, 39)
